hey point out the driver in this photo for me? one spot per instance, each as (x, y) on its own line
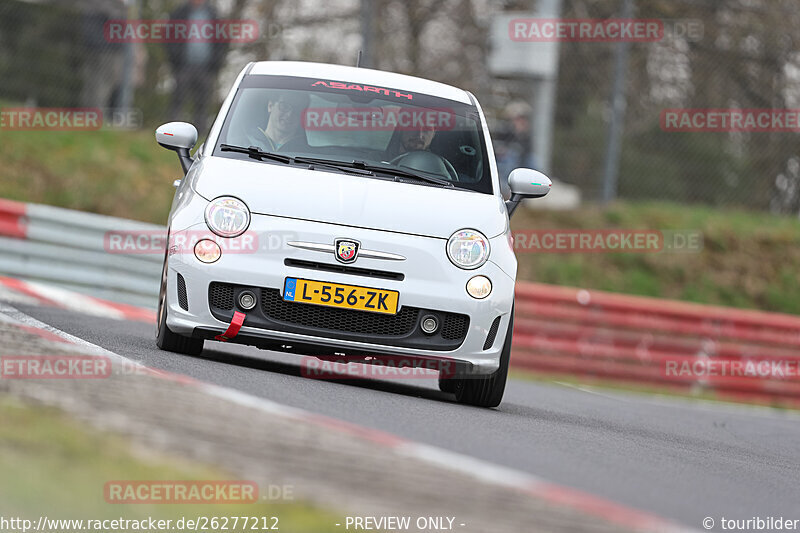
(284, 131)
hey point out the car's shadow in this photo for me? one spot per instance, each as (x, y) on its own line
(295, 370)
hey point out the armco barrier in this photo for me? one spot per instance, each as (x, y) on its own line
(737, 353)
(66, 248)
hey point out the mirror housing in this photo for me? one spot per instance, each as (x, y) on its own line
(179, 137)
(526, 183)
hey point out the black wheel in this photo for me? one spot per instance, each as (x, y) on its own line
(487, 391)
(447, 385)
(166, 339)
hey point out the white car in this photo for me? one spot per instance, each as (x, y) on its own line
(346, 213)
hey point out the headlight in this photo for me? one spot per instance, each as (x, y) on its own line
(227, 217)
(468, 249)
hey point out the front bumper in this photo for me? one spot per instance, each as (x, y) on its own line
(429, 283)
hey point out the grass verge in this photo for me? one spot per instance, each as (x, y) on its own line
(56, 467)
(117, 173)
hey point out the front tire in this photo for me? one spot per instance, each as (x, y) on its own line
(166, 339)
(487, 391)
(448, 385)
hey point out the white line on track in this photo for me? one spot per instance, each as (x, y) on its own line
(12, 314)
(75, 301)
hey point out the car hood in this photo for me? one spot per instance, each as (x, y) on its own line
(349, 200)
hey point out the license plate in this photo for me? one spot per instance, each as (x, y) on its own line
(338, 295)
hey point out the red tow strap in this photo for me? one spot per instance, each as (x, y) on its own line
(233, 329)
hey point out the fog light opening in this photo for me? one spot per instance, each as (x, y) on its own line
(429, 324)
(479, 287)
(207, 251)
(247, 300)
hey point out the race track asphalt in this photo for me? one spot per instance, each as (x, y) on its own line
(683, 460)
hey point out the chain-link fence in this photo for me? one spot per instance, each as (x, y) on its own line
(743, 58)
(62, 53)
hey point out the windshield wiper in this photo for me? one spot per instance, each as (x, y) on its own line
(354, 167)
(256, 153)
(344, 166)
(402, 173)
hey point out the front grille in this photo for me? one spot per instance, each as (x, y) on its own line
(346, 320)
(455, 326)
(492, 334)
(342, 269)
(400, 330)
(220, 295)
(183, 299)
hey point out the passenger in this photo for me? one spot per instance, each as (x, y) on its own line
(417, 140)
(412, 143)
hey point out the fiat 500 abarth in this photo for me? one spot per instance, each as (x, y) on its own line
(346, 213)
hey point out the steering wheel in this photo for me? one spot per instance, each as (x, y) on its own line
(427, 162)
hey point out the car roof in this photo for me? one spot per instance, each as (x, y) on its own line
(389, 80)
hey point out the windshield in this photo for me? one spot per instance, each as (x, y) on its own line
(343, 122)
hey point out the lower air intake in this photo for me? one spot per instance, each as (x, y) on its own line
(220, 295)
(183, 299)
(492, 334)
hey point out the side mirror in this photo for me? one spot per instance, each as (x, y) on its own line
(179, 137)
(526, 183)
